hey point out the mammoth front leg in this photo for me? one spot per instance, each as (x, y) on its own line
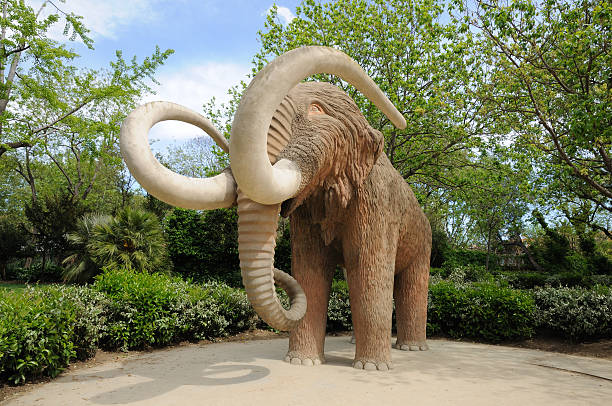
(312, 266)
(370, 281)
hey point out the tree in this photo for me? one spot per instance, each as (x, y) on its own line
(423, 64)
(497, 203)
(132, 239)
(552, 87)
(195, 158)
(80, 266)
(13, 241)
(53, 216)
(204, 245)
(59, 125)
(35, 72)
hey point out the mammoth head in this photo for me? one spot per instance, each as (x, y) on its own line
(331, 142)
(286, 141)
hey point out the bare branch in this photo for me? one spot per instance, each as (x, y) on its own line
(62, 117)
(9, 80)
(13, 145)
(61, 168)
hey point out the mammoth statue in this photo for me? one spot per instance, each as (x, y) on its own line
(304, 150)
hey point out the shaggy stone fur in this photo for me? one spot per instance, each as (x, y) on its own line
(355, 210)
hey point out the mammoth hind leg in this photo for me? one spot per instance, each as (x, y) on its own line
(410, 294)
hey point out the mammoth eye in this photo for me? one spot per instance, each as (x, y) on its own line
(315, 109)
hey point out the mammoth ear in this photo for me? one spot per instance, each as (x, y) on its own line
(369, 146)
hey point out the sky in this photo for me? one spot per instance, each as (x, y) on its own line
(214, 42)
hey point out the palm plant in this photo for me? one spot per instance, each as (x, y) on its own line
(80, 266)
(132, 239)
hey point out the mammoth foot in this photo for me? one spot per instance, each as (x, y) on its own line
(295, 358)
(411, 345)
(369, 365)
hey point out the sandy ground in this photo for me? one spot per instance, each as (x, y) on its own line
(253, 373)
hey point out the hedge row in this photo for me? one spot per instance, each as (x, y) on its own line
(574, 313)
(43, 329)
(521, 279)
(482, 311)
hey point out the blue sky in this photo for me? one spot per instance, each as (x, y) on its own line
(214, 42)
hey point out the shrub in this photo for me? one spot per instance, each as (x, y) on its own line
(13, 241)
(201, 319)
(339, 310)
(526, 280)
(80, 265)
(156, 309)
(132, 239)
(574, 313)
(576, 263)
(36, 272)
(461, 257)
(36, 330)
(600, 264)
(550, 250)
(442, 272)
(140, 312)
(204, 246)
(569, 279)
(440, 246)
(469, 273)
(53, 216)
(282, 252)
(232, 305)
(593, 280)
(480, 311)
(90, 309)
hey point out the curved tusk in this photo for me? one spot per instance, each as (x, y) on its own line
(170, 187)
(251, 167)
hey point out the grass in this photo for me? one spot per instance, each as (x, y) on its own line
(12, 286)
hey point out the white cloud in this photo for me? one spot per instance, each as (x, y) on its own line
(192, 87)
(103, 18)
(284, 13)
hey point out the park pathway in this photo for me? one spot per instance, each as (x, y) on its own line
(253, 373)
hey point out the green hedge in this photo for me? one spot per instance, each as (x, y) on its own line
(574, 313)
(531, 280)
(143, 309)
(482, 311)
(42, 329)
(463, 257)
(339, 309)
(156, 309)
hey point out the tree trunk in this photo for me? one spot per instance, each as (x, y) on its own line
(488, 249)
(532, 260)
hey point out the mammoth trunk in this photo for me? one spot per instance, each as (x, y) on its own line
(257, 225)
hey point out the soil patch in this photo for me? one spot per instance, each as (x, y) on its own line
(595, 349)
